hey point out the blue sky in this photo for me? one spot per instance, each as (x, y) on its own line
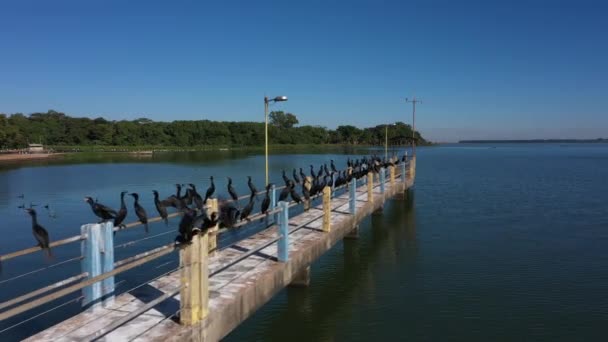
(508, 69)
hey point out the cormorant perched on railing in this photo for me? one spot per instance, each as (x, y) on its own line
(266, 201)
(251, 186)
(176, 201)
(40, 234)
(196, 197)
(312, 171)
(248, 208)
(333, 166)
(285, 192)
(294, 194)
(103, 212)
(285, 178)
(228, 214)
(232, 192)
(210, 190)
(302, 175)
(122, 212)
(320, 171)
(161, 207)
(326, 169)
(295, 177)
(202, 223)
(185, 227)
(140, 211)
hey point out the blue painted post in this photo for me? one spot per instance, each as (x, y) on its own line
(91, 261)
(107, 262)
(403, 172)
(382, 176)
(273, 204)
(352, 200)
(283, 243)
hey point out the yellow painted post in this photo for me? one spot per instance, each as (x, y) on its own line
(213, 208)
(391, 170)
(370, 187)
(194, 295)
(327, 209)
(412, 173)
(308, 185)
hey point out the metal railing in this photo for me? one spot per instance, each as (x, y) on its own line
(96, 281)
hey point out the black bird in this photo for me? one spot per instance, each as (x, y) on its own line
(252, 187)
(161, 207)
(140, 211)
(302, 175)
(210, 190)
(196, 197)
(294, 194)
(285, 192)
(320, 171)
(40, 234)
(102, 211)
(295, 177)
(185, 227)
(202, 223)
(333, 167)
(312, 171)
(122, 212)
(248, 208)
(231, 191)
(228, 214)
(187, 199)
(22, 206)
(266, 201)
(326, 169)
(285, 178)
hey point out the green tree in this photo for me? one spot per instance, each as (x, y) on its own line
(283, 120)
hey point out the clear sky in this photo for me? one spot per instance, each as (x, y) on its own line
(487, 69)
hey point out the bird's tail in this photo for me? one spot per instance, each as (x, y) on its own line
(166, 221)
(147, 229)
(49, 253)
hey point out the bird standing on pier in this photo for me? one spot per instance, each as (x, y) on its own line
(40, 234)
(196, 197)
(285, 178)
(333, 166)
(312, 172)
(122, 212)
(294, 194)
(248, 208)
(103, 212)
(285, 192)
(266, 201)
(161, 207)
(302, 175)
(295, 177)
(185, 227)
(202, 223)
(140, 211)
(210, 190)
(252, 187)
(232, 192)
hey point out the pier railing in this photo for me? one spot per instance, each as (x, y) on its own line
(96, 281)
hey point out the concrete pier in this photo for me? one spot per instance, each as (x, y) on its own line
(236, 289)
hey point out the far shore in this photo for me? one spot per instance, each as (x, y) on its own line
(26, 156)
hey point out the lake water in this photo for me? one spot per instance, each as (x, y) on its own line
(497, 242)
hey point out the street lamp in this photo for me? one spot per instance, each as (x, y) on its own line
(413, 101)
(266, 103)
(386, 140)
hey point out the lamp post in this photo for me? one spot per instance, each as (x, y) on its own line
(413, 101)
(266, 103)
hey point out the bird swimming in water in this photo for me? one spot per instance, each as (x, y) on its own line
(252, 187)
(122, 212)
(161, 207)
(248, 208)
(232, 192)
(285, 192)
(40, 234)
(103, 212)
(196, 197)
(295, 177)
(140, 211)
(210, 190)
(266, 201)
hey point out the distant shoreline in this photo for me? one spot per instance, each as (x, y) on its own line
(9, 157)
(533, 141)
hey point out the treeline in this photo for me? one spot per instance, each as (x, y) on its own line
(58, 129)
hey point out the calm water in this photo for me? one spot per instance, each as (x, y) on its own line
(497, 243)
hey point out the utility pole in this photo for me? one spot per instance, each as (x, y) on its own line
(413, 102)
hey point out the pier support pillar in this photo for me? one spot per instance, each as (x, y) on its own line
(194, 274)
(302, 278)
(353, 234)
(212, 232)
(283, 243)
(273, 204)
(91, 261)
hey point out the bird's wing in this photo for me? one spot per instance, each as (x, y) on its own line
(106, 209)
